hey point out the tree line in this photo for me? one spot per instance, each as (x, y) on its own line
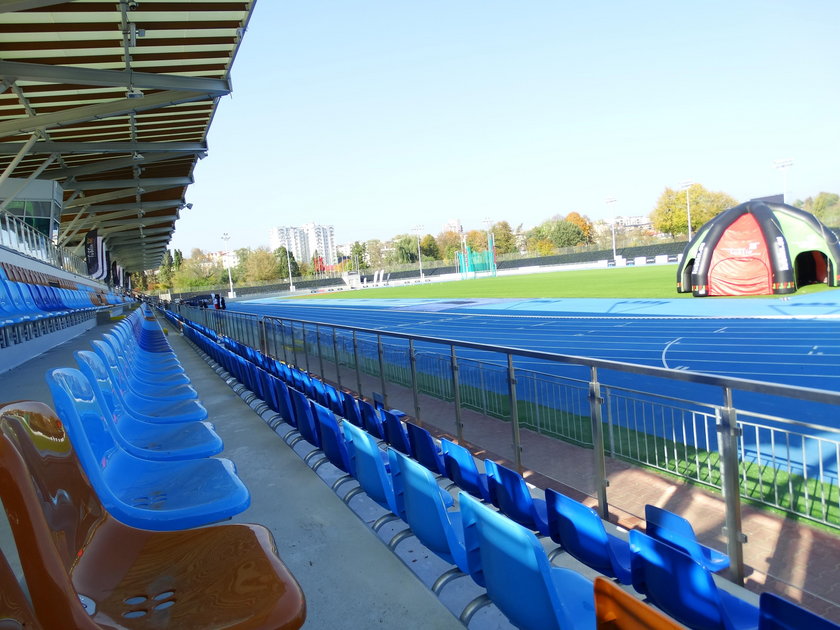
(669, 220)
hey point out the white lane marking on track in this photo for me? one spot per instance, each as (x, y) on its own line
(665, 349)
(720, 330)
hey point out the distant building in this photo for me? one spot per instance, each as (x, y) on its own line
(305, 240)
(639, 222)
(227, 259)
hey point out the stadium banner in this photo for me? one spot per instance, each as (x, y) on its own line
(91, 253)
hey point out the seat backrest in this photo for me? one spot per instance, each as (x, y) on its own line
(579, 530)
(510, 493)
(673, 529)
(462, 469)
(55, 508)
(370, 420)
(350, 409)
(332, 439)
(395, 433)
(88, 428)
(305, 418)
(284, 401)
(777, 613)
(370, 470)
(426, 513)
(616, 609)
(424, 448)
(675, 582)
(15, 609)
(516, 570)
(93, 368)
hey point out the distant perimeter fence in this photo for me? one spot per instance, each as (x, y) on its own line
(626, 411)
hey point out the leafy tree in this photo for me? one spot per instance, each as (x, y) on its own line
(671, 213)
(262, 266)
(477, 240)
(448, 244)
(165, 271)
(560, 233)
(825, 206)
(504, 238)
(199, 271)
(242, 255)
(283, 263)
(541, 246)
(405, 249)
(429, 247)
(177, 259)
(583, 223)
(358, 256)
(375, 253)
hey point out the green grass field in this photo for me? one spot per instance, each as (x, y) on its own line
(655, 281)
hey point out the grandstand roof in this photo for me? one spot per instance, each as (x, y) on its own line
(114, 99)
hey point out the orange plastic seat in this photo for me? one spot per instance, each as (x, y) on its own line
(618, 610)
(84, 569)
(15, 609)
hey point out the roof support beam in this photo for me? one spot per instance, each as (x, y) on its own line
(22, 71)
(116, 163)
(27, 181)
(8, 148)
(160, 182)
(85, 113)
(10, 6)
(21, 153)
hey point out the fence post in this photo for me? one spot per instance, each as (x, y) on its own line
(337, 362)
(294, 346)
(601, 481)
(412, 358)
(320, 354)
(456, 395)
(283, 340)
(356, 361)
(381, 354)
(514, 414)
(728, 433)
(305, 347)
(264, 335)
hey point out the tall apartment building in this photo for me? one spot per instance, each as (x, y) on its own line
(305, 240)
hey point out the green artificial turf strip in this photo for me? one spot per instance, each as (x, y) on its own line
(655, 281)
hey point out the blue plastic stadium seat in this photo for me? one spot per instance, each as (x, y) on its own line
(673, 581)
(675, 530)
(371, 472)
(424, 449)
(777, 613)
(176, 440)
(395, 433)
(334, 446)
(350, 409)
(151, 407)
(371, 422)
(519, 578)
(158, 495)
(511, 495)
(462, 469)
(579, 530)
(425, 506)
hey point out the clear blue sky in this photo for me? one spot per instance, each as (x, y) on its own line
(378, 115)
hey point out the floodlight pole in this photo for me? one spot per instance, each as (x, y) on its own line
(610, 201)
(686, 186)
(226, 238)
(784, 165)
(419, 229)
